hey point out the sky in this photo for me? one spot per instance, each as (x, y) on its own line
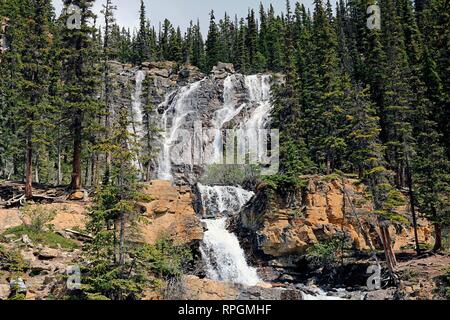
(181, 12)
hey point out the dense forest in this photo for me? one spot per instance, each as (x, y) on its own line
(372, 103)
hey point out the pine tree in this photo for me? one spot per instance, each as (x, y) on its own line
(80, 74)
(212, 44)
(34, 68)
(142, 43)
(108, 12)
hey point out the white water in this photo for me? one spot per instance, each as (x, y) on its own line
(183, 104)
(223, 256)
(136, 115)
(320, 296)
(259, 89)
(224, 115)
(221, 201)
(184, 108)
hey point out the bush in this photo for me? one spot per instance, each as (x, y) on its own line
(165, 259)
(327, 253)
(37, 217)
(12, 261)
(230, 175)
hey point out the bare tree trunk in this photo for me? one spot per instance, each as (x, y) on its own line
(412, 203)
(58, 171)
(77, 145)
(36, 169)
(391, 261)
(122, 239)
(29, 162)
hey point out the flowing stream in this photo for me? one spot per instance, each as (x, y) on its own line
(223, 256)
(136, 115)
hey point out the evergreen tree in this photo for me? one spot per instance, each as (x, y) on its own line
(212, 44)
(80, 74)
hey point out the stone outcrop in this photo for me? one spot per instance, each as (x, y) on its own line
(171, 213)
(285, 224)
(194, 288)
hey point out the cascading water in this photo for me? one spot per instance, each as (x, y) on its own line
(136, 114)
(223, 256)
(172, 121)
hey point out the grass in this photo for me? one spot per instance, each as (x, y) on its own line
(46, 238)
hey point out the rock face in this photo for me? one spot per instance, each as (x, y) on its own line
(171, 213)
(283, 225)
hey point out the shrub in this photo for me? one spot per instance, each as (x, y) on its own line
(165, 259)
(12, 261)
(37, 217)
(327, 253)
(230, 174)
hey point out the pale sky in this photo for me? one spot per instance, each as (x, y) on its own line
(180, 12)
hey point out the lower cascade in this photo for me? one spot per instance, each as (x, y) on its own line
(223, 256)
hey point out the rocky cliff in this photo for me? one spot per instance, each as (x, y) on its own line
(282, 225)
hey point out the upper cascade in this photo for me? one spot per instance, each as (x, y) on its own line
(194, 116)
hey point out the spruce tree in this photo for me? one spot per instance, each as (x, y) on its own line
(80, 73)
(212, 43)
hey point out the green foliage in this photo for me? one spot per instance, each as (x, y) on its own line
(45, 238)
(165, 259)
(36, 217)
(12, 261)
(326, 253)
(237, 175)
(284, 182)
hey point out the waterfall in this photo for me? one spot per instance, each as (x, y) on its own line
(223, 256)
(136, 115)
(224, 115)
(173, 118)
(181, 112)
(259, 91)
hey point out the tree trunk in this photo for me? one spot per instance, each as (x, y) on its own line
(58, 172)
(29, 163)
(438, 237)
(77, 145)
(122, 239)
(36, 169)
(391, 261)
(412, 203)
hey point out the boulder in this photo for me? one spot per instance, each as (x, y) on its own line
(47, 254)
(195, 288)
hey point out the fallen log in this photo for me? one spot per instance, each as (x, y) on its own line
(79, 235)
